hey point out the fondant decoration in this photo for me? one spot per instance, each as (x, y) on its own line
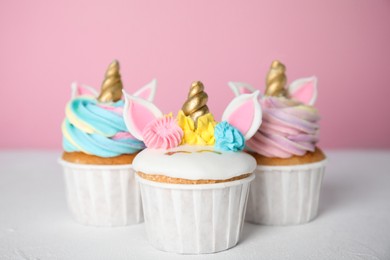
(186, 163)
(111, 90)
(162, 133)
(148, 91)
(239, 88)
(276, 80)
(82, 90)
(244, 113)
(138, 113)
(304, 90)
(196, 104)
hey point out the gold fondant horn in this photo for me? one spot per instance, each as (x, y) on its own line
(276, 80)
(195, 106)
(112, 86)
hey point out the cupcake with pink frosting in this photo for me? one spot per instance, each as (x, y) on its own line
(290, 165)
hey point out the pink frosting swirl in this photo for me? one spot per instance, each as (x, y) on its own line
(162, 133)
(289, 128)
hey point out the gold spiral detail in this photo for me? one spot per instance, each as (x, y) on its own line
(276, 80)
(195, 106)
(112, 86)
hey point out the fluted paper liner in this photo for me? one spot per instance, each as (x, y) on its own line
(194, 219)
(285, 195)
(102, 195)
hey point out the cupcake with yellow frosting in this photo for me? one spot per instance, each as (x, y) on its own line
(290, 165)
(98, 154)
(194, 176)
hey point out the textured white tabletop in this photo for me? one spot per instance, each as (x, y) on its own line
(353, 220)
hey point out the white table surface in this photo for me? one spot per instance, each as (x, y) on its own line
(353, 221)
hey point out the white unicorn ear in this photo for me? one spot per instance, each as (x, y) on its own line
(239, 88)
(138, 113)
(82, 90)
(148, 91)
(304, 90)
(244, 113)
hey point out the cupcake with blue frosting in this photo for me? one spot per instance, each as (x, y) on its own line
(98, 154)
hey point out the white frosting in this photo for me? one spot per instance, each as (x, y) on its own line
(193, 164)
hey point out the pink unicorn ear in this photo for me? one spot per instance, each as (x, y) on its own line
(239, 88)
(304, 90)
(138, 113)
(82, 90)
(148, 91)
(244, 113)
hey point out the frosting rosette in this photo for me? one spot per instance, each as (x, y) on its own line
(289, 128)
(97, 128)
(162, 133)
(228, 138)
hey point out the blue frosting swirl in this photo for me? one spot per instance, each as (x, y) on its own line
(228, 138)
(90, 128)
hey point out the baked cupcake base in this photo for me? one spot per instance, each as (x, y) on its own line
(102, 191)
(194, 218)
(83, 158)
(286, 191)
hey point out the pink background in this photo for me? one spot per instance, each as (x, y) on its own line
(45, 45)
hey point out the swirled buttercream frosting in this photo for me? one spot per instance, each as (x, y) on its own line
(289, 128)
(97, 129)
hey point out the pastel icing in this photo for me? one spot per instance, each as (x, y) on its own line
(194, 162)
(289, 128)
(203, 134)
(98, 128)
(290, 125)
(162, 133)
(93, 129)
(228, 138)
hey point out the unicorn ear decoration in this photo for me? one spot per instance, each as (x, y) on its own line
(82, 90)
(138, 113)
(239, 88)
(244, 113)
(304, 90)
(148, 91)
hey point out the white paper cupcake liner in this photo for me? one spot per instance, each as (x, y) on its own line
(194, 219)
(102, 195)
(285, 195)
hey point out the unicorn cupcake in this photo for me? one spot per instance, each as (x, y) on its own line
(290, 165)
(193, 175)
(98, 154)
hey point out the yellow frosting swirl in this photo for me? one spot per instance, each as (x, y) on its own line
(203, 134)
